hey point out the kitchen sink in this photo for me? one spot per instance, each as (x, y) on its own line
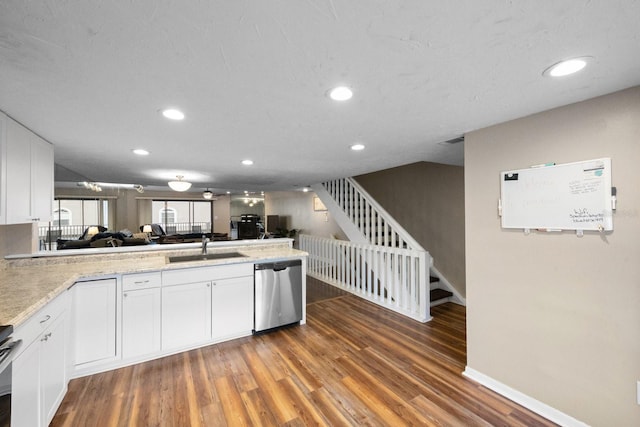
(205, 257)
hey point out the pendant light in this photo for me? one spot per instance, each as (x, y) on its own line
(207, 194)
(179, 185)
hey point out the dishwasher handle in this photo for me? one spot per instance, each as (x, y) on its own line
(277, 266)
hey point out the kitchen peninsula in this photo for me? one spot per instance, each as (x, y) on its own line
(83, 312)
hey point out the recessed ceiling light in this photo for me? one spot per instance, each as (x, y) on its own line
(357, 147)
(247, 162)
(341, 93)
(140, 152)
(173, 114)
(569, 66)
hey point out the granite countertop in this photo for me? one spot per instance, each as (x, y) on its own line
(28, 284)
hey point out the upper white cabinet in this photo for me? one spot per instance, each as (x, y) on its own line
(26, 173)
(42, 179)
(3, 169)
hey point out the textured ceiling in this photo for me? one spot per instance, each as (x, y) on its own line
(252, 77)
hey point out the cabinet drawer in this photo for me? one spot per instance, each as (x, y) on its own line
(132, 282)
(31, 329)
(206, 274)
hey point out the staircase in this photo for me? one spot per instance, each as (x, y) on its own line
(438, 295)
(364, 221)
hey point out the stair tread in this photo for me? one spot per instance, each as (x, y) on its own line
(437, 294)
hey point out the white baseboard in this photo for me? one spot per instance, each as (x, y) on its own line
(528, 402)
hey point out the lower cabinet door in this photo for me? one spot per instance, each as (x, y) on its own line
(186, 315)
(25, 393)
(141, 322)
(232, 308)
(94, 307)
(53, 378)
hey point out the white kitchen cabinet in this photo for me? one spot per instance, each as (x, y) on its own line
(3, 168)
(18, 175)
(39, 370)
(232, 308)
(94, 321)
(186, 315)
(42, 179)
(141, 309)
(53, 378)
(25, 393)
(28, 175)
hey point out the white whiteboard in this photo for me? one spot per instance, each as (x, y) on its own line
(570, 196)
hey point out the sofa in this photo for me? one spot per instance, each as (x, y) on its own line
(104, 239)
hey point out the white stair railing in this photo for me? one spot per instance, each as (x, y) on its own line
(395, 278)
(373, 222)
(365, 221)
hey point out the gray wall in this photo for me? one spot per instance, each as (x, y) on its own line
(427, 199)
(555, 316)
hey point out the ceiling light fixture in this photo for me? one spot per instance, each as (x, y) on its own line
(207, 194)
(247, 162)
(179, 185)
(173, 114)
(140, 152)
(567, 67)
(97, 186)
(357, 147)
(341, 93)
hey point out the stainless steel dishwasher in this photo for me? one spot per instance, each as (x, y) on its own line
(277, 294)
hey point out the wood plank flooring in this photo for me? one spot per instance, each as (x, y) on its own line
(353, 363)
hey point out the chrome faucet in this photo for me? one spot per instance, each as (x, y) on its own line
(205, 240)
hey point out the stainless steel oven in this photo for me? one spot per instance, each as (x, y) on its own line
(8, 348)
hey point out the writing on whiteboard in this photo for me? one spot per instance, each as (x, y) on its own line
(585, 186)
(583, 215)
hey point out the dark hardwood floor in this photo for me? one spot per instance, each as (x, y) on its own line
(353, 363)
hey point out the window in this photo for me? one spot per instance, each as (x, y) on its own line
(72, 216)
(62, 216)
(168, 215)
(183, 217)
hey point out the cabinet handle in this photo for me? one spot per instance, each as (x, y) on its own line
(46, 319)
(46, 337)
(141, 282)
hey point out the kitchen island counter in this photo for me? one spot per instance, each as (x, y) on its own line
(29, 282)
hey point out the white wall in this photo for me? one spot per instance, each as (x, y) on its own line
(554, 316)
(297, 207)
